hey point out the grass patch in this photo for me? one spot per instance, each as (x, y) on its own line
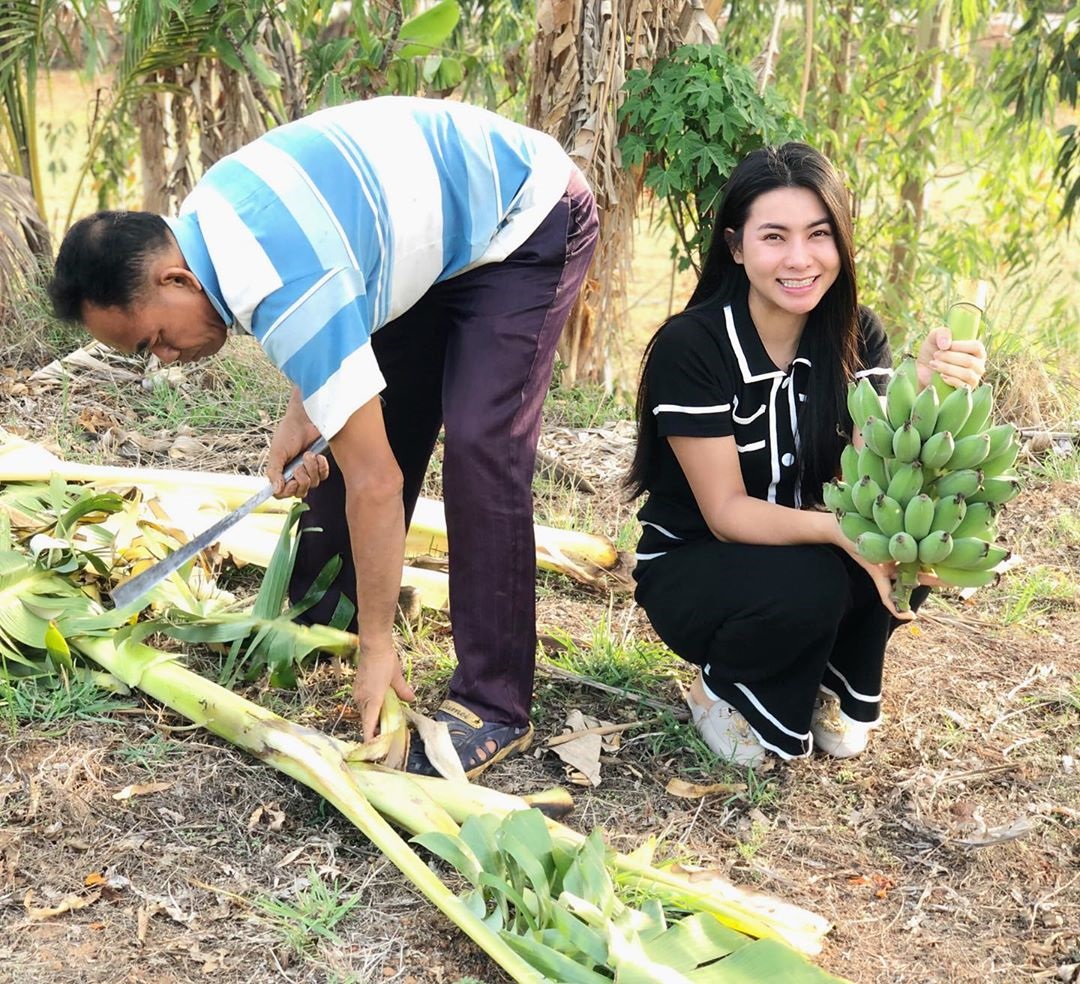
(237, 390)
(583, 405)
(48, 702)
(312, 915)
(638, 665)
(30, 335)
(1031, 594)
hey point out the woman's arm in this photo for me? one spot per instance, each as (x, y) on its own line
(711, 466)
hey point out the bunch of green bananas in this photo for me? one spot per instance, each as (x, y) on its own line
(925, 488)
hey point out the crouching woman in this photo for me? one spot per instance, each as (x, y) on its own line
(741, 419)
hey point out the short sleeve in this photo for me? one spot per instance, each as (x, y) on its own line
(875, 354)
(317, 331)
(689, 388)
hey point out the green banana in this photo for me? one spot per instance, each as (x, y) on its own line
(968, 552)
(899, 398)
(994, 556)
(982, 402)
(966, 482)
(853, 526)
(903, 548)
(993, 467)
(853, 403)
(863, 494)
(949, 513)
(937, 449)
(1001, 437)
(837, 496)
(964, 579)
(874, 547)
(919, 516)
(969, 452)
(924, 412)
(906, 483)
(997, 490)
(935, 547)
(878, 436)
(865, 403)
(872, 465)
(954, 410)
(978, 521)
(849, 464)
(906, 442)
(888, 514)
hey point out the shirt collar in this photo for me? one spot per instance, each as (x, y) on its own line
(754, 362)
(189, 237)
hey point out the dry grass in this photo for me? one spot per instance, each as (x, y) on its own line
(980, 744)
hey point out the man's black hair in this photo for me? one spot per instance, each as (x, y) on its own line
(103, 261)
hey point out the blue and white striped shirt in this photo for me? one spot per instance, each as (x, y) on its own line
(323, 230)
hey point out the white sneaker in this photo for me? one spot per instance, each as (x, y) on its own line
(834, 732)
(727, 733)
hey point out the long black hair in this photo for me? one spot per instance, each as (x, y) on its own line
(831, 328)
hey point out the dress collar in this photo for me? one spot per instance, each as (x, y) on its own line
(189, 237)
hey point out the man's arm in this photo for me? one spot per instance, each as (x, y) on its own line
(376, 517)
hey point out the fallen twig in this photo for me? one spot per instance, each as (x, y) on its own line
(604, 729)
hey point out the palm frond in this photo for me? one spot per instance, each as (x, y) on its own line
(24, 237)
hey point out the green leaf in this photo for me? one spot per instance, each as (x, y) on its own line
(454, 851)
(57, 648)
(426, 31)
(762, 960)
(552, 964)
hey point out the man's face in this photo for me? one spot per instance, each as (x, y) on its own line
(173, 319)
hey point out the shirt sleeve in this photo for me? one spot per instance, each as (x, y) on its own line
(317, 331)
(875, 354)
(688, 389)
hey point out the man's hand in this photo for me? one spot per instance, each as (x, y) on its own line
(376, 672)
(295, 432)
(960, 363)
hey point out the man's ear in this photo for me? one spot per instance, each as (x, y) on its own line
(177, 275)
(734, 243)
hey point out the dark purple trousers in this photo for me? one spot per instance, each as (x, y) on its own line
(473, 355)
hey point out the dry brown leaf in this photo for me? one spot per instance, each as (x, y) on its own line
(67, 904)
(692, 790)
(142, 789)
(275, 819)
(438, 745)
(582, 753)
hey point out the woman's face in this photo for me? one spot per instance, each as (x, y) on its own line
(789, 252)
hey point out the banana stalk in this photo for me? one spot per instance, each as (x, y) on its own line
(195, 500)
(312, 759)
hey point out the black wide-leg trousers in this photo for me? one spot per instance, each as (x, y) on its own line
(770, 626)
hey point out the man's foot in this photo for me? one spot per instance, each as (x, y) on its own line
(478, 745)
(834, 732)
(724, 730)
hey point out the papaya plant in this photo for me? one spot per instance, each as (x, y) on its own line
(688, 122)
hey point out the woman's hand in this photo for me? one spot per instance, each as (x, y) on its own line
(961, 363)
(883, 575)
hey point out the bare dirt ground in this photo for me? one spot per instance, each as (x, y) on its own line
(949, 853)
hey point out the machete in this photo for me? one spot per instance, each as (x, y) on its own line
(124, 594)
